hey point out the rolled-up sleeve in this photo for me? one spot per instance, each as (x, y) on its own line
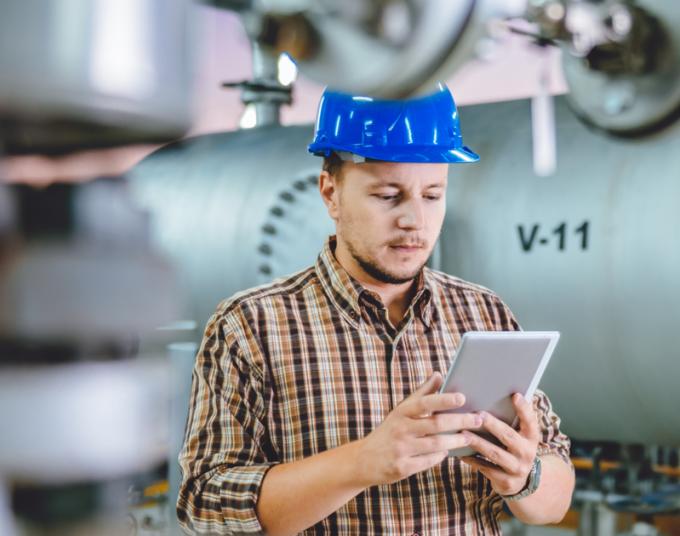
(226, 452)
(552, 440)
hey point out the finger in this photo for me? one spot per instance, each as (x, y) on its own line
(436, 443)
(497, 455)
(505, 434)
(528, 420)
(416, 464)
(445, 422)
(487, 469)
(431, 385)
(428, 404)
(479, 461)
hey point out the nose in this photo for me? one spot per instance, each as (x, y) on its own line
(412, 215)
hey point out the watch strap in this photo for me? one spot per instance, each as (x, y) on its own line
(533, 481)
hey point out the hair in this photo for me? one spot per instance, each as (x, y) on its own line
(332, 164)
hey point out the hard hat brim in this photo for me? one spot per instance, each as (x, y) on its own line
(461, 155)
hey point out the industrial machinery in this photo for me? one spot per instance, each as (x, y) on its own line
(620, 57)
(84, 402)
(404, 45)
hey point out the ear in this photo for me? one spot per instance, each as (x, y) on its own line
(330, 194)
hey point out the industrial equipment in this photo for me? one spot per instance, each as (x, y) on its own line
(83, 409)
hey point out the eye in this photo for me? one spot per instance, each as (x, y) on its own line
(386, 197)
(433, 197)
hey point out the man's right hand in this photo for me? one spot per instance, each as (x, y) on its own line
(410, 438)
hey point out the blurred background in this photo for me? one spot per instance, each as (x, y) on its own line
(153, 162)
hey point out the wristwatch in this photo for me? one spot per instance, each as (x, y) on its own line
(533, 481)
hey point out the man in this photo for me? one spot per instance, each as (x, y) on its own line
(314, 401)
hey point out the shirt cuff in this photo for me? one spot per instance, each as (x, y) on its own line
(240, 492)
(225, 502)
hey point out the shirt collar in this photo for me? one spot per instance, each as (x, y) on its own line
(347, 292)
(343, 289)
(423, 301)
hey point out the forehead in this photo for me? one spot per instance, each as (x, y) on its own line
(397, 173)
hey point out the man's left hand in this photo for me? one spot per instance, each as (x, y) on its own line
(510, 468)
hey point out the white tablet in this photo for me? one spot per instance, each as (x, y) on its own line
(490, 366)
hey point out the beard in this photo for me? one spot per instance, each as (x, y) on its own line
(379, 273)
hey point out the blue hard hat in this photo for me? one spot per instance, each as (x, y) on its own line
(423, 129)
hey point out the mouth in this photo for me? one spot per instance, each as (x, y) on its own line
(407, 248)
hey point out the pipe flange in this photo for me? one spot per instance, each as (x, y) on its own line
(287, 231)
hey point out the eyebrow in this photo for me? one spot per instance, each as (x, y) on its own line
(399, 185)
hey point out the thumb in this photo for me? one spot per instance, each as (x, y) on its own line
(412, 406)
(431, 385)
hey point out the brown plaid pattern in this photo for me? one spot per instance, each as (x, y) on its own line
(311, 362)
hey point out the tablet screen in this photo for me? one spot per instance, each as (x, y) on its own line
(490, 366)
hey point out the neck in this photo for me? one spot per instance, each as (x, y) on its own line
(395, 297)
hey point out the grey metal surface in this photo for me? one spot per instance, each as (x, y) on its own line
(76, 265)
(597, 258)
(641, 89)
(73, 422)
(181, 356)
(83, 73)
(234, 210)
(374, 47)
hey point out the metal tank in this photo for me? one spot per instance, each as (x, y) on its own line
(234, 210)
(590, 251)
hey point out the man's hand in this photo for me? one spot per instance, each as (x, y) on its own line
(410, 438)
(512, 466)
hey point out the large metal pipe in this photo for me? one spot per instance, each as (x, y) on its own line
(86, 73)
(390, 49)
